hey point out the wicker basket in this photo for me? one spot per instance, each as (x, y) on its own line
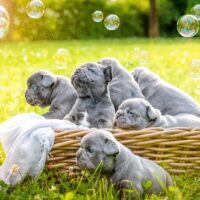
(178, 149)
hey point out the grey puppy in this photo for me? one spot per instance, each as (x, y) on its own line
(122, 85)
(93, 108)
(46, 89)
(124, 168)
(138, 114)
(162, 95)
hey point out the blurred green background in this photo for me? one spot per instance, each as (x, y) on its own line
(71, 19)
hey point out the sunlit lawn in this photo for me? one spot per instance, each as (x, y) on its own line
(169, 58)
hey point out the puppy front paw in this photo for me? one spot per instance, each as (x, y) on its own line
(74, 118)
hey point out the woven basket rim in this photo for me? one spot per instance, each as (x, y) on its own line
(177, 147)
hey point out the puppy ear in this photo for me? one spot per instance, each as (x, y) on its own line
(111, 147)
(151, 113)
(48, 80)
(108, 73)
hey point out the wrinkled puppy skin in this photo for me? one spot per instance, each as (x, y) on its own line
(93, 108)
(122, 86)
(125, 169)
(138, 114)
(46, 89)
(164, 96)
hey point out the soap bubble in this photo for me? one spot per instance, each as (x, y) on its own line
(61, 58)
(137, 51)
(97, 16)
(196, 11)
(112, 22)
(143, 58)
(188, 26)
(4, 22)
(197, 90)
(4, 13)
(144, 53)
(195, 70)
(35, 9)
(4, 27)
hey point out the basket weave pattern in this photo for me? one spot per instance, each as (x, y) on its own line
(177, 148)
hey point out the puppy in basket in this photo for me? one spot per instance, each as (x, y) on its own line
(125, 169)
(164, 96)
(138, 114)
(122, 86)
(47, 89)
(93, 108)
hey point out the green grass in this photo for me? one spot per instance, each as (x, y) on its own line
(169, 58)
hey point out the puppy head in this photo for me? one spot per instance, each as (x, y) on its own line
(39, 88)
(135, 114)
(96, 147)
(91, 79)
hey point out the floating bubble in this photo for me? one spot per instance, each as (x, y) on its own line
(143, 62)
(197, 90)
(137, 50)
(196, 11)
(188, 26)
(35, 9)
(144, 53)
(61, 58)
(4, 27)
(4, 22)
(4, 13)
(97, 16)
(195, 70)
(144, 56)
(112, 22)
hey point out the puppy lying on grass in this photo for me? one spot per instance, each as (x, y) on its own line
(124, 168)
(46, 89)
(93, 108)
(138, 114)
(122, 86)
(164, 96)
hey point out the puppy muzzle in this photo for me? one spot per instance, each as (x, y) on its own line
(28, 97)
(123, 122)
(79, 78)
(119, 114)
(83, 161)
(31, 100)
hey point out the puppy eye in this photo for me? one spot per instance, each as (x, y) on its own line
(133, 114)
(89, 150)
(91, 70)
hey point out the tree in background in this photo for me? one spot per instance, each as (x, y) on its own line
(153, 19)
